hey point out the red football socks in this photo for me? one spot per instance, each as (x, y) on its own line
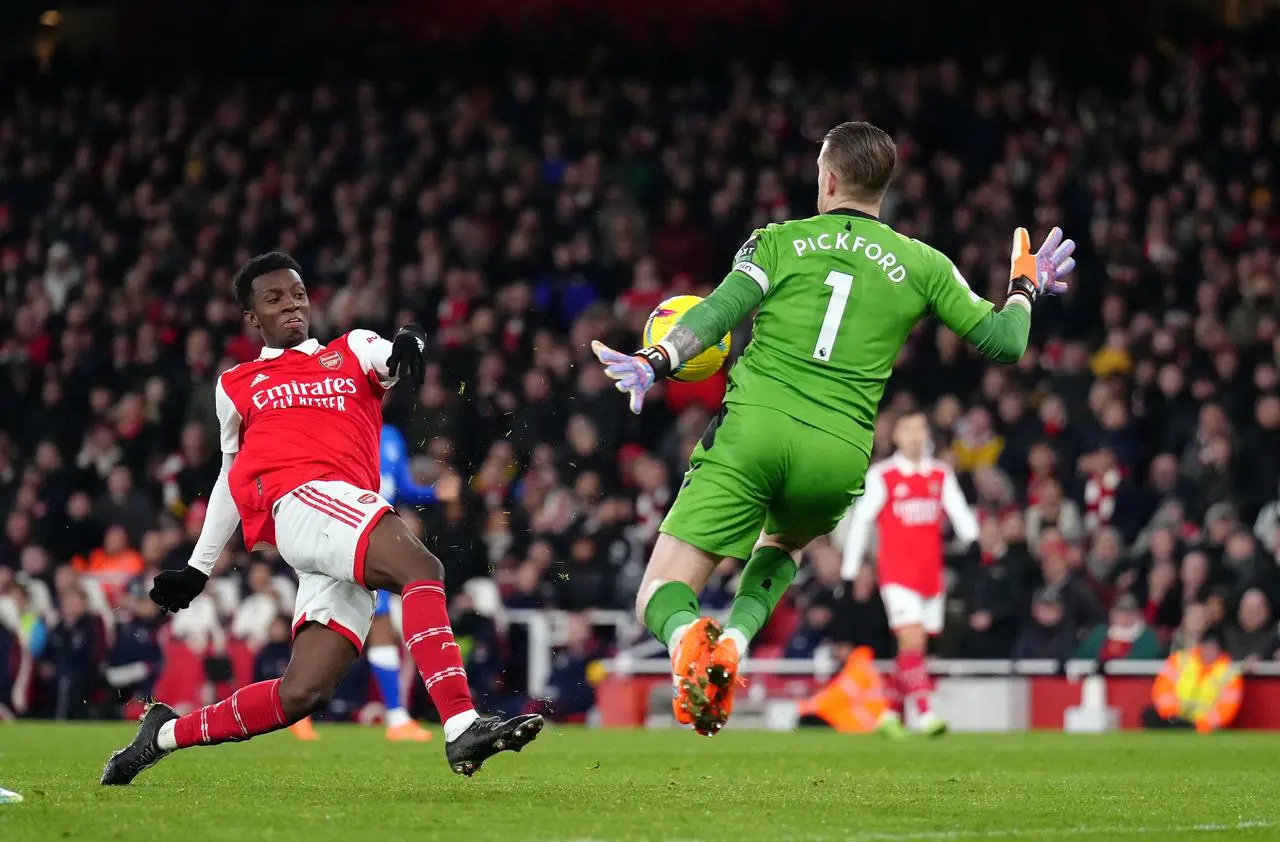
(913, 680)
(893, 692)
(249, 711)
(429, 639)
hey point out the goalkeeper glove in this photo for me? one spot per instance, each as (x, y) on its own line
(173, 590)
(1040, 273)
(635, 373)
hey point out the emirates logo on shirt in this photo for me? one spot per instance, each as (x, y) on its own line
(917, 511)
(330, 393)
(331, 359)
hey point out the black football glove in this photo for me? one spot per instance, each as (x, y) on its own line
(408, 359)
(173, 590)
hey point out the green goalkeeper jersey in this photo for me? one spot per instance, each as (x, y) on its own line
(842, 292)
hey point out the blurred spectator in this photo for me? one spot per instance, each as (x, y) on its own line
(994, 592)
(1053, 509)
(135, 659)
(272, 658)
(1195, 624)
(477, 617)
(254, 615)
(814, 627)
(1049, 633)
(976, 444)
(1103, 563)
(1110, 499)
(864, 617)
(74, 658)
(113, 564)
(574, 674)
(1254, 635)
(124, 506)
(1125, 636)
(1079, 602)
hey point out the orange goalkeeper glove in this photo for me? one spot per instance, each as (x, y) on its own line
(1038, 273)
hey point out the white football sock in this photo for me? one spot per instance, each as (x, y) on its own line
(739, 638)
(673, 645)
(459, 722)
(166, 739)
(397, 717)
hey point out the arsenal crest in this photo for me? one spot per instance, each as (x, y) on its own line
(331, 359)
(368, 498)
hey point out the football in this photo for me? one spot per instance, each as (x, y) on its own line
(663, 318)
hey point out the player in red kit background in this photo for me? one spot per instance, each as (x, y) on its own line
(300, 427)
(906, 497)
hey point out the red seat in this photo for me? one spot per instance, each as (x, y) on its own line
(182, 679)
(241, 655)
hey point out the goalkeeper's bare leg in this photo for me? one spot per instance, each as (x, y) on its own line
(667, 603)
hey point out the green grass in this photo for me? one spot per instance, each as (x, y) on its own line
(668, 785)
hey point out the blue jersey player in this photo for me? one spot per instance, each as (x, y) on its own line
(384, 646)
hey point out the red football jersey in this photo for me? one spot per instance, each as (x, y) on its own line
(906, 501)
(292, 416)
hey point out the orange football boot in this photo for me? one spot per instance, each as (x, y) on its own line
(722, 680)
(304, 730)
(689, 667)
(408, 732)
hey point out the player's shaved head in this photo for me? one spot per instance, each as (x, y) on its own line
(861, 157)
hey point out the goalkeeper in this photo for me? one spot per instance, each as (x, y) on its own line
(838, 294)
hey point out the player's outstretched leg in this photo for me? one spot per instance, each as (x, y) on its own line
(321, 657)
(667, 604)
(397, 561)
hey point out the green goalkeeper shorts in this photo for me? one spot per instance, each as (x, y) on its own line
(758, 469)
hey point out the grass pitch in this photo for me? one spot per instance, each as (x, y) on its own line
(574, 784)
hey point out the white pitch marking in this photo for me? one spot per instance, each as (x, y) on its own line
(1010, 833)
(1036, 832)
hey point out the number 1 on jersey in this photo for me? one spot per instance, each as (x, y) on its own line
(840, 283)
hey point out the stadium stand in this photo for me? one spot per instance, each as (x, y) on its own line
(1127, 470)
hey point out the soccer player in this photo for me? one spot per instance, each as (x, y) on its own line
(396, 485)
(838, 294)
(300, 429)
(906, 496)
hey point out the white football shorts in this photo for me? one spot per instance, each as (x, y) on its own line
(322, 531)
(906, 607)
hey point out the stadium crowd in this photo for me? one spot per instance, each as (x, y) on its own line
(1126, 471)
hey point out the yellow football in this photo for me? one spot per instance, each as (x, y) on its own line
(663, 318)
